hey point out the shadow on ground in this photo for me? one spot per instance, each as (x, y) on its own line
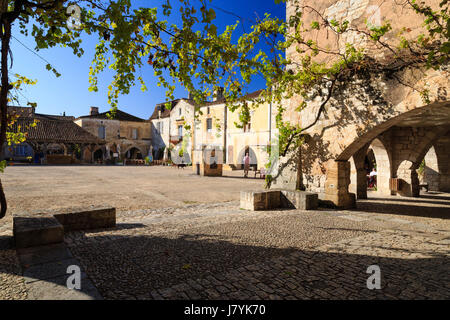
(404, 207)
(209, 267)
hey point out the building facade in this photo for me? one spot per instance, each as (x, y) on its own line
(51, 139)
(125, 136)
(172, 130)
(216, 127)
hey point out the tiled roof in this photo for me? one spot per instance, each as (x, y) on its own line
(21, 111)
(53, 117)
(119, 115)
(54, 131)
(165, 113)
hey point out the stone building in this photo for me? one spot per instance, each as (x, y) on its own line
(125, 136)
(373, 113)
(169, 129)
(215, 128)
(160, 122)
(54, 139)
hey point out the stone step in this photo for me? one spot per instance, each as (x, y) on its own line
(274, 198)
(301, 200)
(89, 219)
(36, 231)
(260, 200)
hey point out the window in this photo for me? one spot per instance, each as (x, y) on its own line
(247, 127)
(179, 111)
(158, 127)
(207, 110)
(209, 124)
(20, 151)
(180, 132)
(135, 133)
(102, 132)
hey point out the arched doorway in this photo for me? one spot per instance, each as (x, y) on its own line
(56, 148)
(428, 171)
(382, 165)
(134, 153)
(98, 155)
(398, 147)
(251, 154)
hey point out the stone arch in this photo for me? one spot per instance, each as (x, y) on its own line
(98, 154)
(134, 152)
(413, 116)
(426, 124)
(86, 154)
(429, 173)
(56, 148)
(383, 162)
(252, 155)
(409, 180)
(376, 152)
(110, 149)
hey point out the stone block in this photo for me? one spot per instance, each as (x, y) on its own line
(260, 200)
(339, 201)
(36, 231)
(299, 200)
(90, 219)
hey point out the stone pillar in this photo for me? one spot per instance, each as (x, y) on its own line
(409, 185)
(361, 183)
(336, 185)
(444, 182)
(361, 175)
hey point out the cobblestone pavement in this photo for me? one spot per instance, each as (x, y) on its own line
(221, 252)
(12, 284)
(217, 251)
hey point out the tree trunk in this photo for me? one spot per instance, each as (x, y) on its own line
(5, 32)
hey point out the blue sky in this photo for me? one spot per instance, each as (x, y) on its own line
(69, 93)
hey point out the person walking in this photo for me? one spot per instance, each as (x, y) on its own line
(246, 165)
(373, 178)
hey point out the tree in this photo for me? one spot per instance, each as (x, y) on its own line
(201, 59)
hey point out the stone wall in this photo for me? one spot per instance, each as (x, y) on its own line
(362, 109)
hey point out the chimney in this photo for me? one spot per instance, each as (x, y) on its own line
(218, 94)
(190, 96)
(94, 111)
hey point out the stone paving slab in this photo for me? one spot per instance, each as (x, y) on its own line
(56, 289)
(48, 270)
(43, 254)
(45, 274)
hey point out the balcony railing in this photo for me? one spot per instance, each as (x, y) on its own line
(176, 139)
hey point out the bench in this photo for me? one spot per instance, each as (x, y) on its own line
(262, 173)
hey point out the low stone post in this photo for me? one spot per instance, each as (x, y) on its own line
(336, 185)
